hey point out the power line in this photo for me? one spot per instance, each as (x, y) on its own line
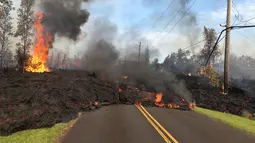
(239, 16)
(179, 19)
(214, 48)
(161, 15)
(231, 27)
(245, 37)
(204, 40)
(171, 20)
(245, 21)
(196, 43)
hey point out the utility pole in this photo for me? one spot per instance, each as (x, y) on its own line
(139, 52)
(227, 47)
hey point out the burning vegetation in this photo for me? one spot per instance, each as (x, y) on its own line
(37, 62)
(41, 100)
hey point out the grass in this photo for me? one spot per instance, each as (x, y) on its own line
(43, 135)
(237, 122)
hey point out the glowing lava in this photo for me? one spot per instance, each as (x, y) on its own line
(37, 63)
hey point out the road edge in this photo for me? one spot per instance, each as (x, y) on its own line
(67, 129)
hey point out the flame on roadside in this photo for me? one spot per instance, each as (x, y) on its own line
(191, 106)
(125, 77)
(37, 63)
(158, 97)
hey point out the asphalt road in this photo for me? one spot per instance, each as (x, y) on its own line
(128, 124)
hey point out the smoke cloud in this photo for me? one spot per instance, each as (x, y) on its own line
(188, 26)
(64, 17)
(101, 54)
(106, 51)
(112, 56)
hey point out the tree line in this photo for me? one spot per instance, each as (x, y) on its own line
(23, 32)
(184, 61)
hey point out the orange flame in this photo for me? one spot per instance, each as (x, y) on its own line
(222, 90)
(191, 106)
(158, 97)
(125, 77)
(96, 103)
(176, 106)
(37, 63)
(170, 106)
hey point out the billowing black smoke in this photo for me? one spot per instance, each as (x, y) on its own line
(64, 17)
(113, 56)
(101, 56)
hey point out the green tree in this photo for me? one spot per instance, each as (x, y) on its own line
(5, 29)
(24, 30)
(210, 36)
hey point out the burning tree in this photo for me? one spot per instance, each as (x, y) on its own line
(211, 75)
(37, 63)
(24, 31)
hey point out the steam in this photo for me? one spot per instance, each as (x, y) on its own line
(64, 17)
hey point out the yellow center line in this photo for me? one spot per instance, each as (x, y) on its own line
(151, 122)
(160, 126)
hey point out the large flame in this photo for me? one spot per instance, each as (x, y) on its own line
(37, 63)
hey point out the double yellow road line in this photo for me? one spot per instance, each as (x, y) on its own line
(159, 128)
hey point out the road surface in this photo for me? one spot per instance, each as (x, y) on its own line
(133, 124)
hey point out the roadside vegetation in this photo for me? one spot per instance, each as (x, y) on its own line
(43, 135)
(241, 123)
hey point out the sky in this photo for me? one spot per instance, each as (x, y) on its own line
(143, 17)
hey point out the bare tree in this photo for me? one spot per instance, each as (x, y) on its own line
(5, 29)
(210, 36)
(24, 30)
(8, 59)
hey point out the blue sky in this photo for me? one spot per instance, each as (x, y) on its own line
(140, 15)
(135, 13)
(126, 13)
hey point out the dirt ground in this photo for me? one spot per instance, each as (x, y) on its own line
(34, 100)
